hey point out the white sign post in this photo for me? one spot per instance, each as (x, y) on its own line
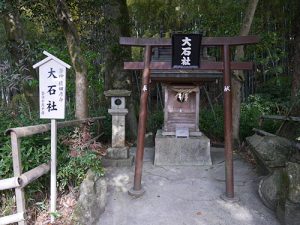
(52, 85)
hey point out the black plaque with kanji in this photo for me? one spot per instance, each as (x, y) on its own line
(186, 50)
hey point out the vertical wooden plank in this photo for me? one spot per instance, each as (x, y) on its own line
(17, 166)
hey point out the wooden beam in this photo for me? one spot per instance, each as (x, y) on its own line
(277, 117)
(206, 41)
(33, 174)
(262, 132)
(14, 218)
(9, 183)
(41, 128)
(206, 65)
(238, 40)
(145, 41)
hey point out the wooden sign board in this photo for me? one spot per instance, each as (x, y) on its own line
(52, 81)
(186, 50)
(52, 87)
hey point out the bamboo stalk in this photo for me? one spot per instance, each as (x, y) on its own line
(276, 117)
(12, 218)
(33, 174)
(41, 128)
(9, 183)
(17, 166)
(262, 132)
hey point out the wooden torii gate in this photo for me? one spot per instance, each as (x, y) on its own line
(226, 66)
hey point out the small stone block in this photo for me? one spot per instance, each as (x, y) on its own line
(182, 132)
(118, 153)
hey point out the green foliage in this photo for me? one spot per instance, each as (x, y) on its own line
(212, 122)
(155, 121)
(251, 111)
(277, 89)
(35, 151)
(106, 124)
(7, 204)
(270, 54)
(6, 121)
(2, 6)
(72, 172)
(56, 214)
(5, 161)
(80, 156)
(215, 18)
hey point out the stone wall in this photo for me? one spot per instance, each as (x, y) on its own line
(278, 159)
(92, 200)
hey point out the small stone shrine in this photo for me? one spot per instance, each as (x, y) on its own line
(118, 153)
(180, 142)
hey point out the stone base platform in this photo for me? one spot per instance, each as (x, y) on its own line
(192, 151)
(118, 153)
(117, 157)
(117, 162)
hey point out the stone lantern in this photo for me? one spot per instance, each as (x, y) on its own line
(118, 153)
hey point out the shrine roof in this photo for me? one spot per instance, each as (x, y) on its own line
(163, 54)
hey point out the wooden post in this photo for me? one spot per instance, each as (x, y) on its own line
(228, 124)
(53, 191)
(137, 189)
(17, 166)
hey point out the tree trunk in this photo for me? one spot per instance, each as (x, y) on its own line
(238, 76)
(117, 25)
(77, 58)
(296, 65)
(19, 51)
(16, 43)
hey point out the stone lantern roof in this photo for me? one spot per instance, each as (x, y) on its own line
(117, 93)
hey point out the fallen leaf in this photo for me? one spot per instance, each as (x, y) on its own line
(199, 213)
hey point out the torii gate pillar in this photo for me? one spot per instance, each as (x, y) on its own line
(137, 189)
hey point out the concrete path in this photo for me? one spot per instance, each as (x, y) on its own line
(185, 196)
